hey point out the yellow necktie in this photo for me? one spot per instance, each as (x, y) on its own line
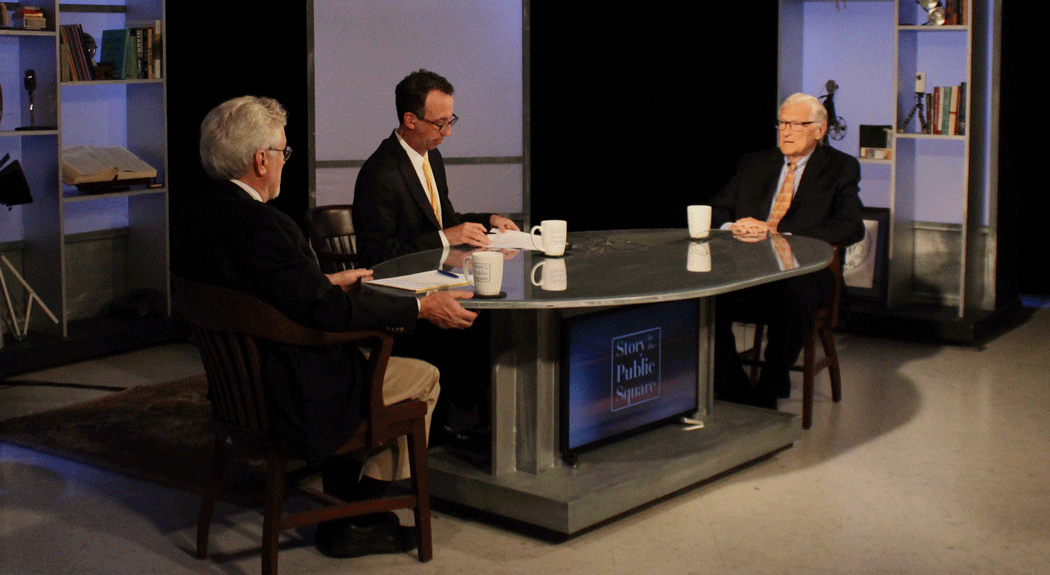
(783, 200)
(430, 189)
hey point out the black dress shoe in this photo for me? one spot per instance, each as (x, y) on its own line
(364, 535)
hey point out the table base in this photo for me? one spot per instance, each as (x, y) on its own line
(617, 478)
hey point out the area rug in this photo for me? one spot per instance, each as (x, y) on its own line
(159, 433)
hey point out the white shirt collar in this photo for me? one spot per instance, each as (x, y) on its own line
(413, 155)
(801, 162)
(251, 191)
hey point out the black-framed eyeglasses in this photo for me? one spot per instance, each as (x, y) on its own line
(795, 126)
(287, 151)
(441, 125)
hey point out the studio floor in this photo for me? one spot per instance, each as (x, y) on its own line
(934, 463)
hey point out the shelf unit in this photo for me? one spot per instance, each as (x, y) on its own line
(129, 113)
(941, 190)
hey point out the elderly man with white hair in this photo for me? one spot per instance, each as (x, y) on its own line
(800, 187)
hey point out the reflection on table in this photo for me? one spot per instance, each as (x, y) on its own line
(629, 266)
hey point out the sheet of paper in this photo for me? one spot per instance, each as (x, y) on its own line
(422, 281)
(511, 239)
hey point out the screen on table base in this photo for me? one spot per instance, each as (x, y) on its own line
(625, 369)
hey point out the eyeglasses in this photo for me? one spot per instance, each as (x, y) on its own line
(795, 126)
(287, 151)
(441, 125)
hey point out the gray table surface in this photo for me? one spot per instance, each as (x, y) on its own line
(627, 267)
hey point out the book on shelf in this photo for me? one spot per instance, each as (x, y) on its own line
(30, 18)
(955, 12)
(115, 52)
(83, 165)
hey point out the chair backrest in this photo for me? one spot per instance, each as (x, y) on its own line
(228, 324)
(332, 235)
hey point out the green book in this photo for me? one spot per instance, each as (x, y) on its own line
(115, 44)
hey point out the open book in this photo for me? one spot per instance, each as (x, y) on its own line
(90, 164)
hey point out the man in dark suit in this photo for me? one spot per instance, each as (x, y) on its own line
(229, 237)
(401, 206)
(401, 202)
(804, 188)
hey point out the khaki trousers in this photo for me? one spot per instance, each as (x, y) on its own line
(405, 379)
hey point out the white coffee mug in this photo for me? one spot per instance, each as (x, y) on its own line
(553, 235)
(699, 258)
(554, 276)
(699, 221)
(484, 270)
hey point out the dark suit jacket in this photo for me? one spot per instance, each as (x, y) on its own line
(229, 239)
(392, 213)
(825, 206)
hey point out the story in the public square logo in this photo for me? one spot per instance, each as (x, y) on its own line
(635, 368)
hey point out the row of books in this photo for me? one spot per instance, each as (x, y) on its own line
(133, 52)
(76, 63)
(946, 110)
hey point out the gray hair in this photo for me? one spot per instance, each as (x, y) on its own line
(235, 130)
(817, 112)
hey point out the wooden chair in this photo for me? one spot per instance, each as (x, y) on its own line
(826, 320)
(332, 235)
(228, 325)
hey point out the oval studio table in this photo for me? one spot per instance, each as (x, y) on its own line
(527, 478)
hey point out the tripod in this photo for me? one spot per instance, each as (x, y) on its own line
(919, 97)
(20, 333)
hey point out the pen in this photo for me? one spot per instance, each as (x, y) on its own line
(447, 273)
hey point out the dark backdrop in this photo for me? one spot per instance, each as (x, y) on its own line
(636, 113)
(639, 112)
(1024, 200)
(230, 52)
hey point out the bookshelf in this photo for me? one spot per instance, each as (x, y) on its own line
(81, 251)
(941, 190)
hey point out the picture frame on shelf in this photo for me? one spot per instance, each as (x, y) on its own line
(865, 262)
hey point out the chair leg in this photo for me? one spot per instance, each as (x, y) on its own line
(417, 446)
(808, 375)
(273, 511)
(831, 354)
(209, 492)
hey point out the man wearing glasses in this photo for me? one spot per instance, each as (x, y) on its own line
(401, 200)
(230, 237)
(401, 206)
(801, 187)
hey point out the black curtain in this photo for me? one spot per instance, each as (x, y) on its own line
(640, 111)
(232, 50)
(1024, 202)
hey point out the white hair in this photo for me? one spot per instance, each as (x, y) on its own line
(235, 130)
(817, 112)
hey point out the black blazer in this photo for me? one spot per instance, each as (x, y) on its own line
(229, 239)
(826, 205)
(392, 213)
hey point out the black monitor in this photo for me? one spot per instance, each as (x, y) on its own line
(626, 370)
